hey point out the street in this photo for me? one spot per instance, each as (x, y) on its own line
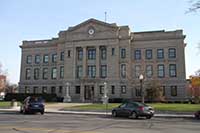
(67, 123)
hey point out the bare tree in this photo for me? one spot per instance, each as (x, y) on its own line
(155, 91)
(194, 6)
(1, 68)
(197, 73)
(198, 47)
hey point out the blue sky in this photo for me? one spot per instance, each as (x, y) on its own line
(43, 19)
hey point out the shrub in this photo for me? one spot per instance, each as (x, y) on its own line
(22, 96)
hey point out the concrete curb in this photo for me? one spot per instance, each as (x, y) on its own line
(16, 110)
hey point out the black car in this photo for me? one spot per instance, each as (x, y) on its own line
(197, 114)
(133, 110)
(32, 105)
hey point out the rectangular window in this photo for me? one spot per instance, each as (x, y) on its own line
(36, 73)
(68, 53)
(137, 71)
(160, 53)
(53, 90)
(80, 53)
(27, 89)
(91, 54)
(54, 73)
(45, 73)
(29, 59)
(37, 59)
(62, 56)
(113, 51)
(46, 58)
(149, 71)
(123, 53)
(113, 89)
(163, 90)
(161, 71)
(172, 70)
(78, 88)
(103, 71)
(44, 89)
(101, 87)
(149, 54)
(91, 71)
(79, 72)
(138, 54)
(54, 58)
(61, 72)
(171, 53)
(123, 89)
(173, 90)
(103, 53)
(123, 70)
(35, 89)
(28, 74)
(60, 89)
(137, 92)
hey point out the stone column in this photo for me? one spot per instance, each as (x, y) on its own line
(97, 62)
(74, 62)
(82, 93)
(96, 92)
(84, 62)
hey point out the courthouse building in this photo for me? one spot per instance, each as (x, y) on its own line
(93, 52)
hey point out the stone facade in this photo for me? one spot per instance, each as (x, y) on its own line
(94, 52)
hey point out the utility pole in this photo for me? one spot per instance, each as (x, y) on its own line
(105, 17)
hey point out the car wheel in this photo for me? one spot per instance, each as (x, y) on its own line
(134, 115)
(114, 113)
(24, 111)
(197, 116)
(42, 112)
(21, 111)
(148, 117)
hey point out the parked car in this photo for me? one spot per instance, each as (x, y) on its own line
(133, 110)
(32, 105)
(197, 114)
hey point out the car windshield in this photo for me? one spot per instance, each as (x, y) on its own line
(141, 104)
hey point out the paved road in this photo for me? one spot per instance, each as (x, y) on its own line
(58, 123)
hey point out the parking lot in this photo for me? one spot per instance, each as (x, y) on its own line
(68, 123)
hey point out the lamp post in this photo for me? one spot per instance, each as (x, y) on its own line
(67, 97)
(105, 96)
(105, 89)
(141, 77)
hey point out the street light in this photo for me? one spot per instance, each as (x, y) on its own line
(105, 97)
(141, 77)
(67, 97)
(105, 89)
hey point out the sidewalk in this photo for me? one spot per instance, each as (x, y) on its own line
(52, 110)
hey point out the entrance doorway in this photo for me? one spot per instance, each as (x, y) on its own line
(89, 92)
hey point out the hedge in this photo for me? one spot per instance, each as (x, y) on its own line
(22, 96)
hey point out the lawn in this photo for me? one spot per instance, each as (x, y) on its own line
(175, 107)
(93, 107)
(157, 106)
(4, 104)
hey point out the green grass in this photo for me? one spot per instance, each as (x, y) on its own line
(157, 106)
(175, 107)
(93, 107)
(4, 104)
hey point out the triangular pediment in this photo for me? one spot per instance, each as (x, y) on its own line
(92, 22)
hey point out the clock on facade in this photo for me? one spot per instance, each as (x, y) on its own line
(91, 31)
